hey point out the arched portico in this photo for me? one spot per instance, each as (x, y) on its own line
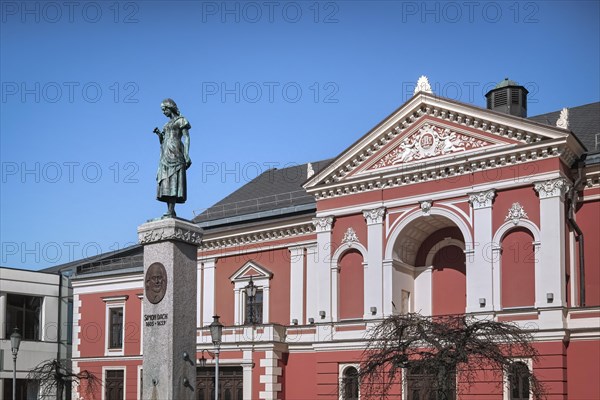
(426, 253)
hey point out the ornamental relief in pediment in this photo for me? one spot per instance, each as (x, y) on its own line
(429, 141)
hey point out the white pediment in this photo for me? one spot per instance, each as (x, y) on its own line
(252, 270)
(429, 139)
(427, 132)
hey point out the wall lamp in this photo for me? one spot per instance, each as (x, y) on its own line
(322, 314)
(482, 302)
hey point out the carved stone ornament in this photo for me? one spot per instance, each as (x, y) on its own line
(551, 188)
(323, 224)
(482, 199)
(429, 141)
(350, 236)
(426, 206)
(169, 229)
(515, 213)
(423, 85)
(374, 216)
(563, 120)
(310, 172)
(156, 282)
(161, 234)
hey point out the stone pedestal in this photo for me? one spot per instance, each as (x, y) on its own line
(169, 308)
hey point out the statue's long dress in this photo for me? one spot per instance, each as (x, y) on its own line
(171, 169)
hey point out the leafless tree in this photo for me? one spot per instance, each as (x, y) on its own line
(440, 349)
(56, 375)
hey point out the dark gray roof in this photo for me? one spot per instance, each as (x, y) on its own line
(275, 189)
(128, 257)
(584, 122)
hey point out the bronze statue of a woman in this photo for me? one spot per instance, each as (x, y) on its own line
(174, 158)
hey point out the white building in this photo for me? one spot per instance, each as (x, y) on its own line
(39, 304)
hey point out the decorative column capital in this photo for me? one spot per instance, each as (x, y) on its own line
(323, 224)
(552, 188)
(483, 199)
(374, 216)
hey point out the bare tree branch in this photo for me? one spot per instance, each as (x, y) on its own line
(441, 348)
(56, 375)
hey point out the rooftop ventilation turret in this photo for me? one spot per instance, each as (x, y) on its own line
(508, 97)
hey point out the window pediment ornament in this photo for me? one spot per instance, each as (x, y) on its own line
(429, 141)
(482, 199)
(323, 224)
(251, 269)
(350, 236)
(374, 216)
(552, 188)
(515, 213)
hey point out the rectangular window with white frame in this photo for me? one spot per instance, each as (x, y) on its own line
(114, 383)
(115, 325)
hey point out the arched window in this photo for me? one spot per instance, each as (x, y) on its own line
(350, 384)
(518, 377)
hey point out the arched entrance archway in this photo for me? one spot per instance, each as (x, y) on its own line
(429, 259)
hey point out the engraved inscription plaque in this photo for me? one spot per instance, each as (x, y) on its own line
(156, 282)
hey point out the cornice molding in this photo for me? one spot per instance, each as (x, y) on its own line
(259, 236)
(434, 171)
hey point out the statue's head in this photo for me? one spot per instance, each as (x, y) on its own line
(171, 105)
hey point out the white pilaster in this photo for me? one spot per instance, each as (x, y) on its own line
(296, 283)
(266, 304)
(322, 265)
(312, 264)
(378, 291)
(550, 271)
(423, 299)
(479, 272)
(198, 298)
(247, 374)
(2, 314)
(208, 291)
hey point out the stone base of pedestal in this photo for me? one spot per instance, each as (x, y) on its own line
(169, 308)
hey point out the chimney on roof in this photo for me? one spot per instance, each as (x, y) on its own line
(508, 97)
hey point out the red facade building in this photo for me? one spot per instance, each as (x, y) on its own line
(442, 208)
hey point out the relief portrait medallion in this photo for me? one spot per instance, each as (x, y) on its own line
(156, 282)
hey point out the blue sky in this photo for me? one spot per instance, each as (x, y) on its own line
(262, 83)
